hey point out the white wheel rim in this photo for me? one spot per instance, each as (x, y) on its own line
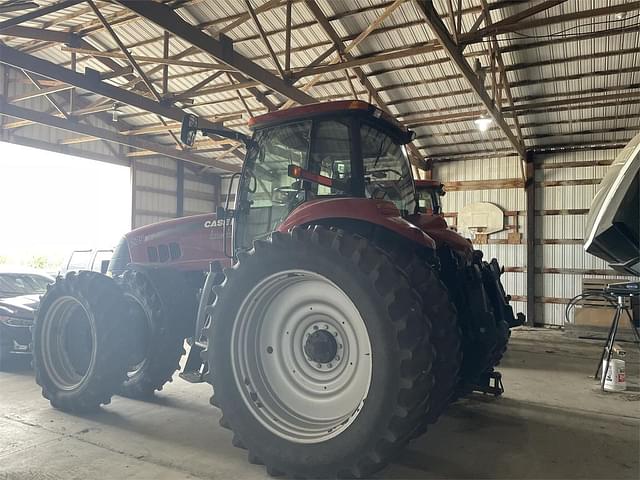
(55, 337)
(301, 356)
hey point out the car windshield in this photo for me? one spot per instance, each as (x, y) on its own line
(22, 284)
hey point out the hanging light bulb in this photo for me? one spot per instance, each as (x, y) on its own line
(483, 123)
(114, 113)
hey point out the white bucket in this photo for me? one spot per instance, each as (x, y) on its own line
(614, 380)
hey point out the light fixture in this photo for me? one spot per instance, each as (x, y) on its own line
(114, 113)
(483, 123)
(621, 15)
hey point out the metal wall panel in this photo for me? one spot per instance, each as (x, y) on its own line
(156, 191)
(560, 286)
(508, 199)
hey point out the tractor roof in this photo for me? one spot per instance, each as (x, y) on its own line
(325, 108)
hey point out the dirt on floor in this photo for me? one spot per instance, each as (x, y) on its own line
(552, 422)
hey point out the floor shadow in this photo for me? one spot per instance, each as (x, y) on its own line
(505, 438)
(18, 364)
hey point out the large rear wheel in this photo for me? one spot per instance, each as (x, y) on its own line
(317, 347)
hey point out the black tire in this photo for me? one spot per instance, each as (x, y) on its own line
(504, 333)
(401, 379)
(83, 363)
(445, 332)
(159, 344)
(475, 317)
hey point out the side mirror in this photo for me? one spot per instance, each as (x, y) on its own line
(189, 129)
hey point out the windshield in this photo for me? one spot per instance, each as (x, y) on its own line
(22, 284)
(428, 200)
(322, 146)
(269, 193)
(386, 169)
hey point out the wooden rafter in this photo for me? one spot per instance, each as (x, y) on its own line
(440, 30)
(263, 36)
(344, 53)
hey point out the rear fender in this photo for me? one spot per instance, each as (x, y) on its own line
(377, 214)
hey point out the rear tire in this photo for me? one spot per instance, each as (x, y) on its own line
(160, 345)
(350, 271)
(445, 333)
(80, 341)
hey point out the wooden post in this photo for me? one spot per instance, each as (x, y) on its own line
(530, 188)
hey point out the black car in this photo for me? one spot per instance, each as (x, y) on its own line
(20, 292)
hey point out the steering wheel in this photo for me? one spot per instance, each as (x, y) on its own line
(377, 191)
(284, 193)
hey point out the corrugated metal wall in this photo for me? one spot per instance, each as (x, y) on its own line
(483, 172)
(156, 189)
(566, 182)
(565, 185)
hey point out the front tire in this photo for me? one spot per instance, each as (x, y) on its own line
(305, 402)
(159, 345)
(80, 341)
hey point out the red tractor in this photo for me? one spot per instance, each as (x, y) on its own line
(345, 321)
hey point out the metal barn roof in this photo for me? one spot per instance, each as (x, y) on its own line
(554, 74)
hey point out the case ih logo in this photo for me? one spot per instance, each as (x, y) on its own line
(216, 223)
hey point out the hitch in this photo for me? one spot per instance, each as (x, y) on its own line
(490, 383)
(195, 369)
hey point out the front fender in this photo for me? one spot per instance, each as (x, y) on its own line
(376, 212)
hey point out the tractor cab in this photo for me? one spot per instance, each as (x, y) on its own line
(428, 193)
(319, 151)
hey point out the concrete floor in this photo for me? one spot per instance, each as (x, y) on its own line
(552, 422)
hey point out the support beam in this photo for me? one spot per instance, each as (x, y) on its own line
(508, 25)
(265, 40)
(110, 136)
(41, 12)
(530, 189)
(287, 38)
(51, 100)
(39, 34)
(491, 28)
(343, 52)
(39, 93)
(440, 30)
(222, 49)
(90, 82)
(142, 59)
(504, 82)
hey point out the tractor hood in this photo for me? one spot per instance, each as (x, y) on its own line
(186, 243)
